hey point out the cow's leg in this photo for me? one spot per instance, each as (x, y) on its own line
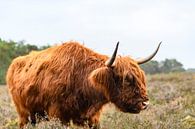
(94, 120)
(33, 119)
(23, 114)
(23, 119)
(93, 115)
(54, 111)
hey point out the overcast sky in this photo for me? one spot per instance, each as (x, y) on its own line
(139, 25)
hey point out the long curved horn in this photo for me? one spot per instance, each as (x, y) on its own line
(110, 61)
(144, 60)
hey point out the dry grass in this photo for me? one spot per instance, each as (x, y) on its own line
(172, 98)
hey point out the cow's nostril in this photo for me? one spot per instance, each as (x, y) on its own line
(146, 103)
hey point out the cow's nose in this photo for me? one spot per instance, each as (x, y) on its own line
(145, 104)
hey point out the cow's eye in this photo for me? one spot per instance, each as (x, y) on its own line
(129, 80)
(137, 92)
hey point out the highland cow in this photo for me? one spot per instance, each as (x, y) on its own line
(72, 82)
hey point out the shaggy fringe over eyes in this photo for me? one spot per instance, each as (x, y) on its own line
(123, 63)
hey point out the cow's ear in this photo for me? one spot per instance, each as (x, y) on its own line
(101, 76)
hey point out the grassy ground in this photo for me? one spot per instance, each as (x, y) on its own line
(172, 106)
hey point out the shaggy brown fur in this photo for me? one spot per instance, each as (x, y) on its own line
(72, 82)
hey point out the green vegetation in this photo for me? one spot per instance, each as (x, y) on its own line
(172, 106)
(191, 70)
(165, 66)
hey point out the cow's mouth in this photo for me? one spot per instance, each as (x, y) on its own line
(134, 110)
(138, 107)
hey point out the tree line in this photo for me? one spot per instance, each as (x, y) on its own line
(11, 49)
(165, 66)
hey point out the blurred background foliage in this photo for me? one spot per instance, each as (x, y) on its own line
(11, 49)
(165, 66)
